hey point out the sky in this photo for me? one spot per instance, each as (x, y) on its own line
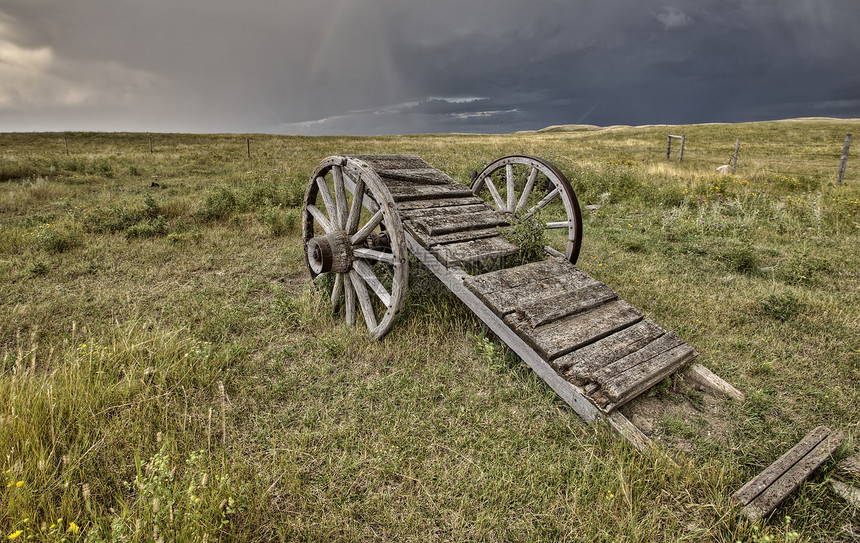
(371, 67)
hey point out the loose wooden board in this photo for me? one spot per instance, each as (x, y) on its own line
(578, 366)
(459, 222)
(568, 302)
(428, 241)
(407, 207)
(505, 290)
(474, 251)
(761, 495)
(561, 337)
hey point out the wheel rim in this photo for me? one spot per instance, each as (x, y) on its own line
(352, 233)
(511, 184)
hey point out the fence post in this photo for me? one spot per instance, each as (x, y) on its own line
(66, 142)
(735, 160)
(681, 154)
(668, 146)
(150, 144)
(249, 147)
(844, 158)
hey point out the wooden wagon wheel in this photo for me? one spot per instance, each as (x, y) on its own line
(517, 195)
(357, 237)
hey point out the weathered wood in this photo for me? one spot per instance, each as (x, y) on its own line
(845, 147)
(555, 305)
(406, 207)
(703, 378)
(625, 386)
(849, 493)
(366, 273)
(392, 162)
(504, 290)
(527, 190)
(421, 176)
(370, 254)
(406, 193)
(850, 468)
(363, 299)
(474, 251)
(327, 226)
(735, 158)
(767, 490)
(349, 294)
(611, 372)
(428, 241)
(328, 201)
(436, 226)
(445, 212)
(773, 495)
(340, 196)
(561, 337)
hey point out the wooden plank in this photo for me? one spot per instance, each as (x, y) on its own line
(703, 378)
(563, 304)
(504, 290)
(428, 241)
(393, 162)
(406, 207)
(849, 493)
(850, 467)
(561, 337)
(449, 224)
(421, 176)
(753, 488)
(787, 482)
(474, 250)
(579, 365)
(406, 193)
(611, 372)
(447, 211)
(638, 379)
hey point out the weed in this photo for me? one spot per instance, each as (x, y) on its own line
(38, 269)
(529, 235)
(218, 204)
(56, 239)
(741, 259)
(280, 222)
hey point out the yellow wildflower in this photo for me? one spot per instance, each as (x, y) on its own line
(74, 528)
(15, 534)
(19, 484)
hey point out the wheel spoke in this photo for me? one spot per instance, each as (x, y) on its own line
(370, 278)
(511, 194)
(370, 254)
(350, 299)
(355, 210)
(500, 205)
(530, 183)
(339, 195)
(540, 205)
(337, 291)
(328, 201)
(365, 231)
(363, 299)
(321, 218)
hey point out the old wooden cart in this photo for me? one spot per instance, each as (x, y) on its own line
(362, 214)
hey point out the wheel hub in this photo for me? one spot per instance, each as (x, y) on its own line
(330, 253)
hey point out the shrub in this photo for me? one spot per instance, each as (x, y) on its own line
(56, 239)
(741, 259)
(218, 204)
(529, 235)
(280, 221)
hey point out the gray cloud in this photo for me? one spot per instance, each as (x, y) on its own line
(397, 66)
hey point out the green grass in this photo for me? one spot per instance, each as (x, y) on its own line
(166, 371)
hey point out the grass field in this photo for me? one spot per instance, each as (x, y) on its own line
(166, 373)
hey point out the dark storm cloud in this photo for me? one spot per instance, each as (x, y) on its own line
(395, 66)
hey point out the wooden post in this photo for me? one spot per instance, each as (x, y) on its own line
(66, 142)
(735, 159)
(249, 147)
(844, 158)
(150, 144)
(681, 154)
(668, 146)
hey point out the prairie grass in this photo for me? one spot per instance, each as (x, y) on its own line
(166, 372)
